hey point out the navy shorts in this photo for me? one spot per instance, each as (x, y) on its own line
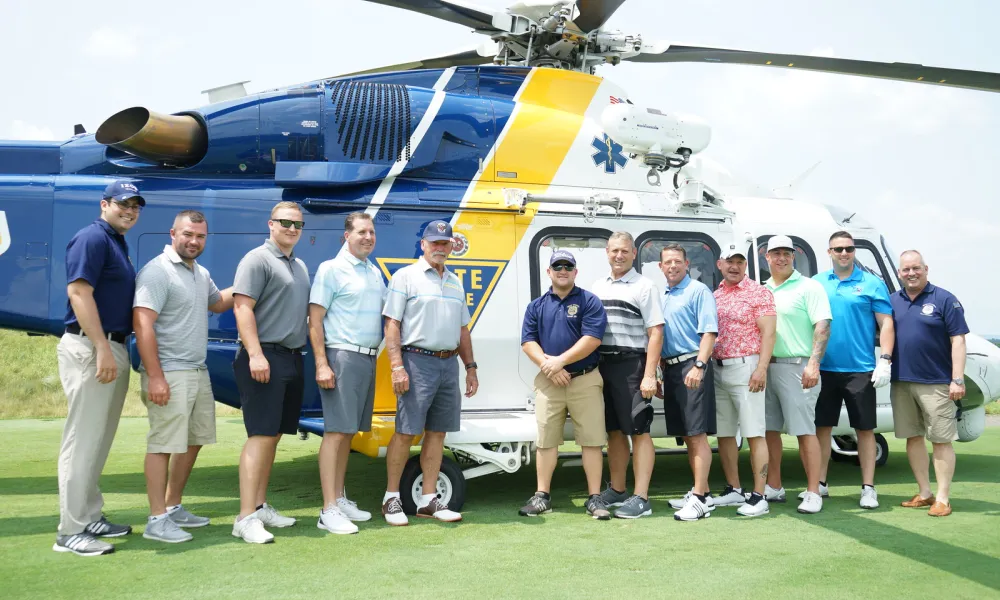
(856, 390)
(625, 409)
(271, 408)
(434, 400)
(688, 412)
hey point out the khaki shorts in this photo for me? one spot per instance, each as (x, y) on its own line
(788, 407)
(583, 398)
(923, 409)
(188, 419)
(735, 405)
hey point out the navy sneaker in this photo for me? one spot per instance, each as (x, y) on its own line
(104, 528)
(537, 505)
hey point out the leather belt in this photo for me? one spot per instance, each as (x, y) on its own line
(114, 336)
(353, 348)
(791, 360)
(725, 362)
(575, 374)
(674, 360)
(279, 348)
(434, 353)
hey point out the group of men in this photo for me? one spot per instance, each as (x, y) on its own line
(598, 353)
(748, 359)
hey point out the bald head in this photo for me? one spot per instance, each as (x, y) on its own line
(912, 255)
(913, 272)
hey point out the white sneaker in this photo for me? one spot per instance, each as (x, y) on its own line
(335, 521)
(694, 509)
(272, 518)
(754, 510)
(869, 497)
(824, 492)
(679, 503)
(811, 504)
(774, 495)
(251, 529)
(351, 510)
(730, 497)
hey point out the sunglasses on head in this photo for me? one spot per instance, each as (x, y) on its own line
(842, 249)
(562, 267)
(287, 223)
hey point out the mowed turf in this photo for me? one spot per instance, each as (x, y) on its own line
(843, 551)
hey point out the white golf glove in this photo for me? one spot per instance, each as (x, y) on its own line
(880, 377)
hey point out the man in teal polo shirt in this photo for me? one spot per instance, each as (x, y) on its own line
(793, 378)
(848, 373)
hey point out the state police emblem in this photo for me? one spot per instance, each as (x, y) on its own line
(572, 309)
(927, 310)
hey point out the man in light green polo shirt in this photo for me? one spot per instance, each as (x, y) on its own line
(793, 377)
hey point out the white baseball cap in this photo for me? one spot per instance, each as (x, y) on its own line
(732, 251)
(780, 241)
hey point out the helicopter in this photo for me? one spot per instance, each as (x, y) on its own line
(517, 143)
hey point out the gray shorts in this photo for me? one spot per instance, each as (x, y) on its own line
(347, 408)
(787, 406)
(434, 400)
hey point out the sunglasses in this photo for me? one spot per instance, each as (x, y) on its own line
(562, 267)
(287, 223)
(842, 249)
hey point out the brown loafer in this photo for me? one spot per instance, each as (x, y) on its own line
(918, 502)
(940, 509)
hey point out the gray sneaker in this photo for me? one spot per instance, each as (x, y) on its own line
(82, 544)
(165, 530)
(185, 519)
(596, 508)
(612, 498)
(633, 508)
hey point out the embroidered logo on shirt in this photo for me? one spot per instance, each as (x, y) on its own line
(572, 309)
(927, 310)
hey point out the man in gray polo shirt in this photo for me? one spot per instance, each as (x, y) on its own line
(426, 326)
(271, 300)
(345, 328)
(171, 331)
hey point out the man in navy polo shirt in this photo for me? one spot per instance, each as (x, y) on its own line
(848, 372)
(561, 333)
(94, 367)
(928, 364)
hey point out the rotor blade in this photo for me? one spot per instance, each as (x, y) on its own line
(463, 58)
(594, 13)
(976, 80)
(456, 11)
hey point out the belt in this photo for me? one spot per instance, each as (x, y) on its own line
(434, 353)
(353, 348)
(575, 374)
(114, 336)
(791, 360)
(673, 360)
(279, 348)
(724, 362)
(617, 356)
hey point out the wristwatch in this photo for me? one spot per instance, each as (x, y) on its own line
(471, 365)
(887, 357)
(959, 381)
(699, 364)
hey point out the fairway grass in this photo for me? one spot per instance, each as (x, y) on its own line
(843, 552)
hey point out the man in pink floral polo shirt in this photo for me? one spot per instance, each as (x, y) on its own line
(747, 322)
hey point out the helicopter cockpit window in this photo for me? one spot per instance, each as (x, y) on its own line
(805, 260)
(700, 254)
(866, 257)
(589, 250)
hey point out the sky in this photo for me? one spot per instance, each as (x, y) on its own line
(917, 161)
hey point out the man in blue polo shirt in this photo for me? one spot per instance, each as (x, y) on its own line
(94, 367)
(848, 372)
(928, 367)
(561, 333)
(691, 325)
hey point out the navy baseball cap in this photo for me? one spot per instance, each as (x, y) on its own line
(562, 256)
(437, 231)
(120, 191)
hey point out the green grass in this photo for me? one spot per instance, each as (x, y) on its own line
(843, 551)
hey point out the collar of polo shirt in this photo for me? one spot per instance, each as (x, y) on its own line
(173, 256)
(107, 227)
(743, 284)
(856, 274)
(680, 286)
(930, 287)
(277, 251)
(350, 258)
(626, 278)
(795, 276)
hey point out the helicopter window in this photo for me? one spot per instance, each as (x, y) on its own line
(805, 260)
(587, 245)
(866, 256)
(702, 252)
(891, 257)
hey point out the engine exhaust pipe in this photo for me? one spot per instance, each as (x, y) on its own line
(168, 139)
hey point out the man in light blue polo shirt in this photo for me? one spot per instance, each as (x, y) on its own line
(848, 372)
(345, 328)
(690, 328)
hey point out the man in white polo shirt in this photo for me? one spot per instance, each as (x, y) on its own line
(345, 328)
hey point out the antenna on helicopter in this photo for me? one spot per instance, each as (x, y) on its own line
(78, 129)
(230, 91)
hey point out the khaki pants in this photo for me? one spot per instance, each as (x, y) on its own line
(94, 411)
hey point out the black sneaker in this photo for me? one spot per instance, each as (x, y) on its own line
(103, 528)
(613, 498)
(596, 508)
(82, 544)
(537, 505)
(730, 497)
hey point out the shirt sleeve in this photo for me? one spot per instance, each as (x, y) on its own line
(396, 296)
(817, 303)
(708, 317)
(529, 327)
(151, 288)
(880, 299)
(649, 306)
(954, 317)
(214, 295)
(595, 319)
(251, 276)
(765, 304)
(85, 257)
(324, 288)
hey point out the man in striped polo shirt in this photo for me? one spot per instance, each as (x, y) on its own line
(629, 352)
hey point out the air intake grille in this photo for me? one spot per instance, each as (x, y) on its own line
(373, 120)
